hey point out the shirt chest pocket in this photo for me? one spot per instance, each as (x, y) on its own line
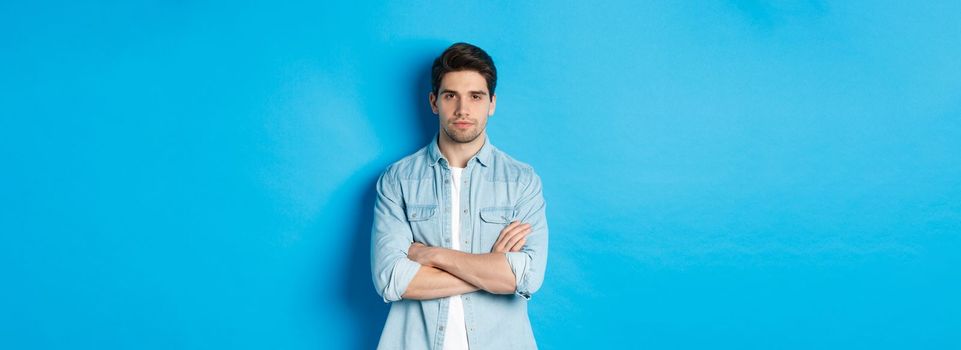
(492, 221)
(424, 223)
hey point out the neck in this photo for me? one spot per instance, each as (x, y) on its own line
(457, 153)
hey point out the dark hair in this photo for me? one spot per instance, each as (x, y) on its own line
(461, 57)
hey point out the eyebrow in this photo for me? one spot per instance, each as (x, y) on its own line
(478, 92)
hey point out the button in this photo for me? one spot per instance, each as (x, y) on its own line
(441, 327)
(466, 242)
(446, 181)
(465, 211)
(414, 215)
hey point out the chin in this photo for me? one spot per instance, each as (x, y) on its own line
(465, 138)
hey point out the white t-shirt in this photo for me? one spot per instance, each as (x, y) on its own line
(456, 334)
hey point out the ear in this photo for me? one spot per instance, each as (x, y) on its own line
(432, 99)
(490, 111)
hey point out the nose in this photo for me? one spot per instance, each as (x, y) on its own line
(461, 109)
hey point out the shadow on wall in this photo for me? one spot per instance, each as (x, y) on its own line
(418, 127)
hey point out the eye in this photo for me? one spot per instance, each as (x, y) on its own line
(448, 95)
(476, 97)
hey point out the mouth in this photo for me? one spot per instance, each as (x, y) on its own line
(461, 125)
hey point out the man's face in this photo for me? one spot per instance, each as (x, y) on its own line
(463, 105)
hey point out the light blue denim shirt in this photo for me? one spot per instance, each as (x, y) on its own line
(413, 204)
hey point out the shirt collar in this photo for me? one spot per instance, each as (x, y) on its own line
(483, 156)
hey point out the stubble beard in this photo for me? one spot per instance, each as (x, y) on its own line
(467, 136)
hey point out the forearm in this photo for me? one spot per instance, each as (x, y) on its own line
(432, 283)
(490, 272)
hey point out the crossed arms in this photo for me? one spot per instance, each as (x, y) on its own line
(404, 269)
(445, 272)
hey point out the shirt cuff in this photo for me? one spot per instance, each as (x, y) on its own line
(404, 271)
(520, 264)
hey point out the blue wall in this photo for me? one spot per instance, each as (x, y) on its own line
(719, 174)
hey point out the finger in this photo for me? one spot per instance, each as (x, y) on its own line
(509, 241)
(507, 228)
(501, 242)
(520, 244)
(516, 230)
(517, 237)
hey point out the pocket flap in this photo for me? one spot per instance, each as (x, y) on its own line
(499, 215)
(420, 212)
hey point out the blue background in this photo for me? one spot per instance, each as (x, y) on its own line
(719, 174)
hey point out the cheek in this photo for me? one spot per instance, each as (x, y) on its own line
(444, 109)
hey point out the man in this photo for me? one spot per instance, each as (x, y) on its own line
(459, 241)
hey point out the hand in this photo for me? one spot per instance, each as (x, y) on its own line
(420, 253)
(512, 238)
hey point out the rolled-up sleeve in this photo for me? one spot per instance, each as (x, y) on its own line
(391, 238)
(529, 263)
